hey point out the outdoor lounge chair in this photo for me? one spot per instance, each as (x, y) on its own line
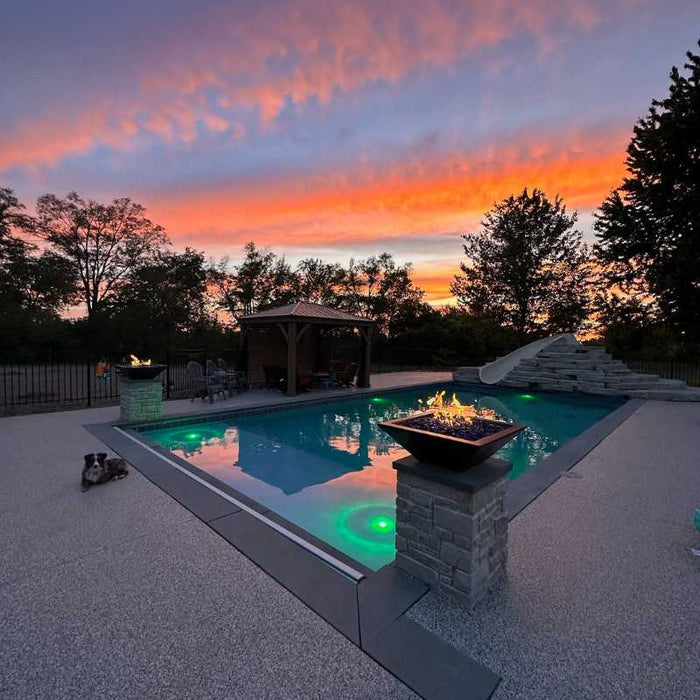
(205, 387)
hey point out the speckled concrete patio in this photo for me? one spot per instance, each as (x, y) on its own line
(602, 598)
(122, 593)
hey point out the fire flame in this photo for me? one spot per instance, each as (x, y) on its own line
(452, 410)
(135, 362)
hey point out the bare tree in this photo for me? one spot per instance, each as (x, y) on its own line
(104, 243)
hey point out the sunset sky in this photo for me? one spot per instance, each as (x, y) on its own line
(331, 128)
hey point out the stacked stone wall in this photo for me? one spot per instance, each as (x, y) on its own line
(454, 540)
(141, 399)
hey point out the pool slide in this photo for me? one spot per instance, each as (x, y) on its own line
(493, 372)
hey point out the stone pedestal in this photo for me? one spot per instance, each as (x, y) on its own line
(140, 399)
(451, 527)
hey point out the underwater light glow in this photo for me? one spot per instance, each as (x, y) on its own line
(527, 397)
(381, 523)
(192, 436)
(369, 526)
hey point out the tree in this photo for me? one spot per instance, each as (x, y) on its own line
(261, 281)
(103, 243)
(528, 267)
(29, 282)
(34, 287)
(164, 297)
(318, 281)
(649, 228)
(379, 289)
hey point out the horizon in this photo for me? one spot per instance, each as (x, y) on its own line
(327, 129)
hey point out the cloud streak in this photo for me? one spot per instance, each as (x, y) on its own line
(411, 196)
(251, 60)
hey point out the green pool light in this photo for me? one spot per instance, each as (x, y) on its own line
(192, 436)
(378, 399)
(527, 397)
(381, 523)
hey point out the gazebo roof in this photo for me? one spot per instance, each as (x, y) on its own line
(307, 312)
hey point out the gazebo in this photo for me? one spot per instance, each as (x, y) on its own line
(289, 336)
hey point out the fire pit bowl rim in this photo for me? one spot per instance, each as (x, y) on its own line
(457, 453)
(140, 371)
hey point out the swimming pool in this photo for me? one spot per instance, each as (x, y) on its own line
(327, 467)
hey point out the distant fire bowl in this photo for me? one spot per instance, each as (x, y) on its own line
(457, 446)
(140, 371)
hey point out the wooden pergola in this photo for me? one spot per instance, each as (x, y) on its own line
(295, 322)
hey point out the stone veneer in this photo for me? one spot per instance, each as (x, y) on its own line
(451, 527)
(567, 365)
(140, 399)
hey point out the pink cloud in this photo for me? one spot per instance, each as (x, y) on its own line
(322, 47)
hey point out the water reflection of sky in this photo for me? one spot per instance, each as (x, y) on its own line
(329, 470)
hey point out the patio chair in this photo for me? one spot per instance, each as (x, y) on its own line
(240, 378)
(205, 387)
(347, 376)
(328, 382)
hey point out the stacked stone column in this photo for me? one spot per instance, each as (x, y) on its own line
(451, 527)
(140, 399)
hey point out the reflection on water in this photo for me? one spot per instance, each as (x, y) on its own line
(329, 469)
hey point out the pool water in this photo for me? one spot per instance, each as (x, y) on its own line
(327, 468)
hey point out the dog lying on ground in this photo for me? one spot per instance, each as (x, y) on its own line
(99, 470)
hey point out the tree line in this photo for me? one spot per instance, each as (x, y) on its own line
(526, 273)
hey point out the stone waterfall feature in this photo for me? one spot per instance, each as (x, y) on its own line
(567, 365)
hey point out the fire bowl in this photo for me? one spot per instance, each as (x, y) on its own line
(140, 371)
(453, 447)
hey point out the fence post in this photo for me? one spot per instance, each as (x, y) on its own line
(89, 383)
(167, 372)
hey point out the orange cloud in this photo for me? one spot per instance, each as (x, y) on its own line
(262, 57)
(414, 196)
(434, 278)
(378, 204)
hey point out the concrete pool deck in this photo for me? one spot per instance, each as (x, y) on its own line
(602, 592)
(123, 593)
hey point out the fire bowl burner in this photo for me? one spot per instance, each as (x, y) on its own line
(458, 444)
(140, 371)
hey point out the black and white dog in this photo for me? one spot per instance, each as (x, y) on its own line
(98, 469)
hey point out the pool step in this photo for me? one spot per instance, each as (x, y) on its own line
(569, 366)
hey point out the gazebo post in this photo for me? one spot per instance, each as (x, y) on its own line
(292, 358)
(363, 378)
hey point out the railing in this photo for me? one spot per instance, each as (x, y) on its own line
(689, 372)
(88, 382)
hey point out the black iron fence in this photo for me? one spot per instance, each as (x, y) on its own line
(689, 372)
(407, 358)
(85, 382)
(88, 381)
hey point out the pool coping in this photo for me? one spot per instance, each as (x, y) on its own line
(368, 607)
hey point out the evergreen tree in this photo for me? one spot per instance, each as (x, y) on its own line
(649, 229)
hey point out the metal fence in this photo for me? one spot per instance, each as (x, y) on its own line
(91, 382)
(689, 372)
(88, 381)
(408, 358)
